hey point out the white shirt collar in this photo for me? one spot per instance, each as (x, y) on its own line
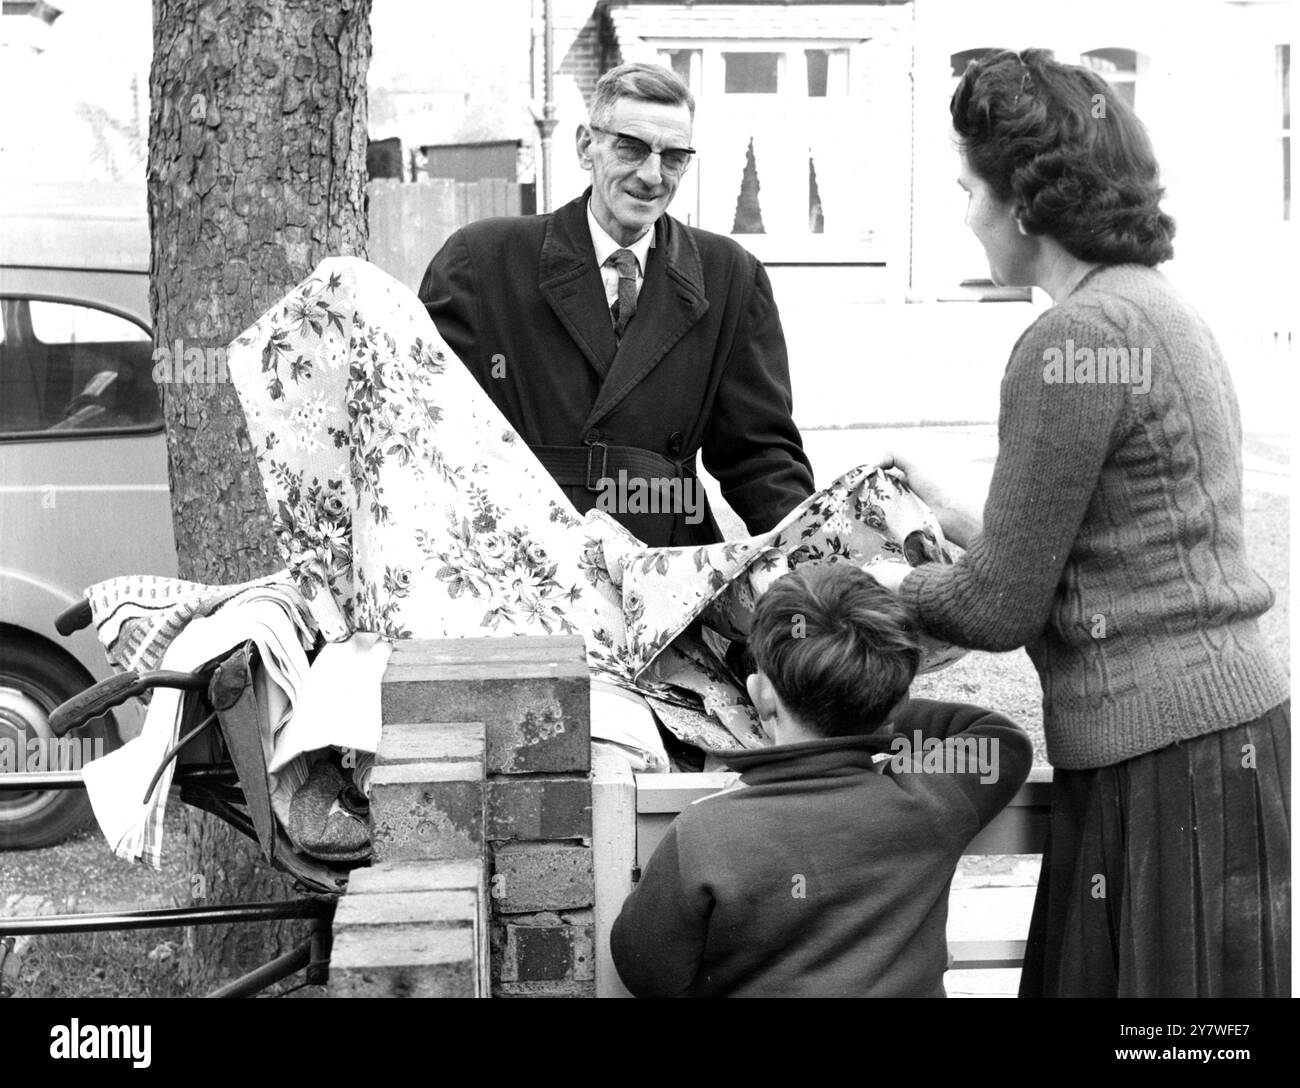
(605, 245)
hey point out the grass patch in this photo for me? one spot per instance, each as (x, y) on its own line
(134, 963)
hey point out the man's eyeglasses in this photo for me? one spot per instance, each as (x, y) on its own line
(672, 160)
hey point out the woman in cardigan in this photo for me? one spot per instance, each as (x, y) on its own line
(1111, 548)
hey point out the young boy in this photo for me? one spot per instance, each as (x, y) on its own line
(824, 872)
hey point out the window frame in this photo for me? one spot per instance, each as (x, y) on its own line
(1284, 89)
(792, 71)
(781, 75)
(791, 92)
(1132, 78)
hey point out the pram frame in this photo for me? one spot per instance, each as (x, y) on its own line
(212, 786)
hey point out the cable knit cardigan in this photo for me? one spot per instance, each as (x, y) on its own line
(1112, 546)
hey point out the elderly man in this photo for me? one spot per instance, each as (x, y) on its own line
(620, 343)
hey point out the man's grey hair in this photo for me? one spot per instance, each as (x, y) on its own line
(647, 82)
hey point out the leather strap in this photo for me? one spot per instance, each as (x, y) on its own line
(586, 466)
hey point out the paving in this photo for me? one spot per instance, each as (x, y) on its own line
(992, 899)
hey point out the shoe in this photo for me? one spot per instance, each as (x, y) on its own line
(329, 818)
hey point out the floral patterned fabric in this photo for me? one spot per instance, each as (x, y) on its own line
(405, 504)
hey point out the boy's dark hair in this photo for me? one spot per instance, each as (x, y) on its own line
(839, 648)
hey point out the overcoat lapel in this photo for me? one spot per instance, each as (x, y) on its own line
(570, 282)
(671, 301)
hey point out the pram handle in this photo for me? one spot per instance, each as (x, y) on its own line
(73, 619)
(118, 689)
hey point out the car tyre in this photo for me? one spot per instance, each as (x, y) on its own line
(33, 681)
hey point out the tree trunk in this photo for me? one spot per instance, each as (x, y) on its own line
(257, 171)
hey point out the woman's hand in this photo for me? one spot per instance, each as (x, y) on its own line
(888, 572)
(953, 489)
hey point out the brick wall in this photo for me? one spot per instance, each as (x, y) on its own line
(585, 48)
(483, 878)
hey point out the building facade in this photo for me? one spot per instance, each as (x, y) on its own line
(823, 136)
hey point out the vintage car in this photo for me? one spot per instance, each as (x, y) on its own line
(83, 470)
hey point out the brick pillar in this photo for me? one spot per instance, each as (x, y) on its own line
(415, 924)
(485, 760)
(412, 929)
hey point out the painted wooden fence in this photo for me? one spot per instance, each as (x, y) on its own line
(409, 221)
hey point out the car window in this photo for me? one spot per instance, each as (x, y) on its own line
(71, 367)
(63, 323)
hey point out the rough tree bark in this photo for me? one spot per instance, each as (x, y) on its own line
(257, 171)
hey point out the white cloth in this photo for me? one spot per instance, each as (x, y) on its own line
(623, 718)
(339, 706)
(276, 619)
(136, 616)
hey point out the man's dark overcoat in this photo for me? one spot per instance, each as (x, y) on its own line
(701, 368)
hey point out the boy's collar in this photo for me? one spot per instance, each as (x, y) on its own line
(746, 759)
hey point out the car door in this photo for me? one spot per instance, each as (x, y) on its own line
(83, 497)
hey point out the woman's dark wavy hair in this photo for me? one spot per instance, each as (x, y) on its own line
(1058, 140)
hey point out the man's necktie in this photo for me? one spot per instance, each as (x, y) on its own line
(624, 307)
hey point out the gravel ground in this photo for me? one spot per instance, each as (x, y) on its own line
(81, 875)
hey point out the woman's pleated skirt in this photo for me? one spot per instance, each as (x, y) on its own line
(1169, 875)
